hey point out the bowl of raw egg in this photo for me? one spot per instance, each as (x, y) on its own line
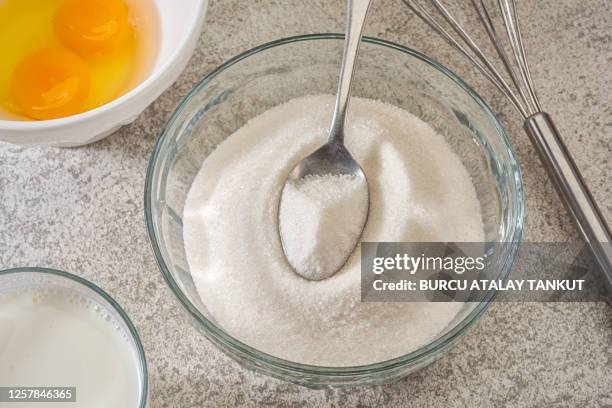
(74, 71)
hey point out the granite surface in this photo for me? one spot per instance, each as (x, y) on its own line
(81, 210)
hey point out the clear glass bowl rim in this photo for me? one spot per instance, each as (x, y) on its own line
(92, 286)
(274, 363)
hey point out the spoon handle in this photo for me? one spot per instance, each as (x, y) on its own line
(357, 11)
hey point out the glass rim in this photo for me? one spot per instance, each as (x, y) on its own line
(217, 334)
(133, 333)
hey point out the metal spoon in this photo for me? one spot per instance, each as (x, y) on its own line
(333, 158)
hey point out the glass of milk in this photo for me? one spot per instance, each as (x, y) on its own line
(59, 330)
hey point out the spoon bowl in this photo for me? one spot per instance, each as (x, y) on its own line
(333, 166)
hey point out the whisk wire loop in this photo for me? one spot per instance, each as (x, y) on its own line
(523, 58)
(520, 92)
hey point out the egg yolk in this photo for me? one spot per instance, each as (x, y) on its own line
(93, 26)
(51, 83)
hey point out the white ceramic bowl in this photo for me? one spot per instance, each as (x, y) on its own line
(180, 29)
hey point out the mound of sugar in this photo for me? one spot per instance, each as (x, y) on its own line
(419, 191)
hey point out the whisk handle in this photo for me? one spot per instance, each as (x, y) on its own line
(572, 189)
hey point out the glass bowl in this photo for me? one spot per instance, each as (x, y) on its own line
(43, 278)
(273, 73)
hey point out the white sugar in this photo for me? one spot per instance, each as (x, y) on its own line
(419, 191)
(320, 219)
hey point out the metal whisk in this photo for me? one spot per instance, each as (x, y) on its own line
(505, 34)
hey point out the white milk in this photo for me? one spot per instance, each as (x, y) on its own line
(60, 338)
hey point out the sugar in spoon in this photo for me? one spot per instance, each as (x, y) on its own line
(331, 161)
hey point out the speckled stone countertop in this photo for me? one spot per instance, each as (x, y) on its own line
(81, 210)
